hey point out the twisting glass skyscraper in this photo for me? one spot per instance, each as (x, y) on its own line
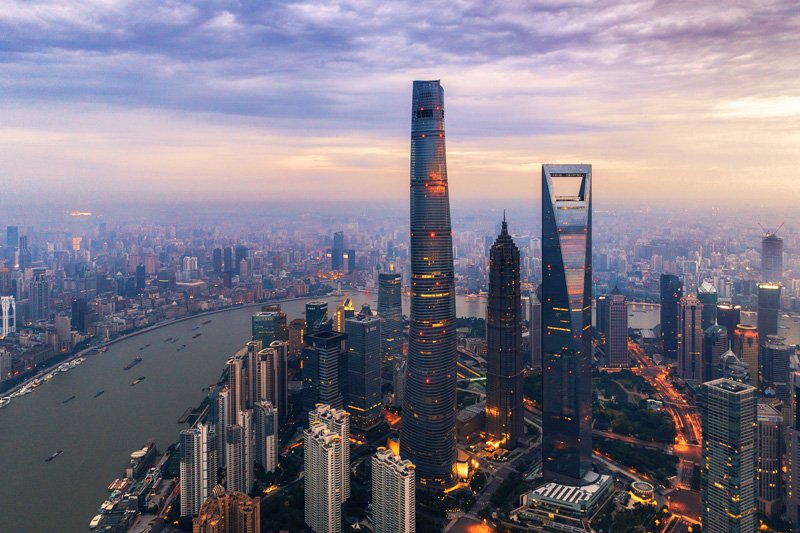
(504, 411)
(428, 436)
(567, 321)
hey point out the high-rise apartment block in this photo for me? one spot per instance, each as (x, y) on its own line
(690, 339)
(239, 453)
(390, 311)
(393, 493)
(228, 512)
(8, 315)
(327, 468)
(428, 435)
(566, 322)
(728, 467)
(266, 435)
(268, 377)
(504, 368)
(198, 467)
(364, 369)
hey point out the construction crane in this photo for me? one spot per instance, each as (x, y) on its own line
(768, 232)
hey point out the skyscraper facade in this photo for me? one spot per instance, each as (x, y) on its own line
(566, 321)
(266, 435)
(745, 346)
(707, 295)
(239, 453)
(671, 294)
(393, 494)
(39, 295)
(504, 412)
(8, 315)
(428, 436)
(228, 512)
(343, 312)
(715, 343)
(730, 316)
(769, 305)
(324, 369)
(364, 369)
(616, 332)
(198, 467)
(690, 339)
(769, 467)
(390, 311)
(327, 468)
(728, 464)
(297, 330)
(268, 326)
(772, 258)
(316, 315)
(536, 331)
(775, 367)
(793, 452)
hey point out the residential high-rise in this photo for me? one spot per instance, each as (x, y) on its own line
(793, 453)
(730, 316)
(364, 369)
(428, 436)
(266, 435)
(221, 411)
(198, 467)
(316, 315)
(239, 453)
(390, 311)
(39, 295)
(775, 370)
(745, 346)
(343, 312)
(252, 374)
(566, 322)
(8, 315)
(728, 466)
(393, 494)
(228, 512)
(324, 369)
(536, 331)
(616, 332)
(707, 295)
(269, 376)
(715, 343)
(771, 258)
(297, 329)
(690, 339)
(237, 383)
(770, 460)
(327, 468)
(769, 305)
(671, 294)
(504, 368)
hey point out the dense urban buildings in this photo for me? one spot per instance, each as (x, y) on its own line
(393, 493)
(566, 322)
(390, 311)
(729, 457)
(228, 512)
(504, 367)
(364, 369)
(428, 437)
(671, 294)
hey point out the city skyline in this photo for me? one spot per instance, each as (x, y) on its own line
(106, 101)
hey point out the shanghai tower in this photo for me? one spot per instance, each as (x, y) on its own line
(504, 410)
(566, 322)
(428, 436)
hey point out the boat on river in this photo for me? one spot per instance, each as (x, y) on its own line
(133, 363)
(137, 381)
(59, 452)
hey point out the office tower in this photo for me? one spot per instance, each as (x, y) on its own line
(79, 311)
(343, 312)
(266, 438)
(24, 255)
(730, 316)
(227, 260)
(297, 329)
(239, 453)
(616, 333)
(12, 236)
(731, 367)
(769, 305)
(566, 322)
(428, 435)
(364, 369)
(268, 378)
(324, 369)
(221, 411)
(729, 457)
(198, 467)
(39, 296)
(745, 346)
(504, 412)
(671, 293)
(715, 343)
(228, 512)
(337, 252)
(707, 295)
(393, 494)
(601, 319)
(237, 383)
(769, 460)
(316, 315)
(268, 326)
(8, 319)
(141, 278)
(536, 331)
(690, 339)
(771, 258)
(793, 452)
(390, 311)
(216, 260)
(775, 371)
(239, 255)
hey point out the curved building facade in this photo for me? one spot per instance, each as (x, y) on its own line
(428, 436)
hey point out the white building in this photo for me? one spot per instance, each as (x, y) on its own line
(266, 440)
(393, 493)
(327, 468)
(198, 467)
(8, 319)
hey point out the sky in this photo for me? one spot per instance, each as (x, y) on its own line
(672, 102)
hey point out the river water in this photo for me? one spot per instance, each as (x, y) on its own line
(98, 434)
